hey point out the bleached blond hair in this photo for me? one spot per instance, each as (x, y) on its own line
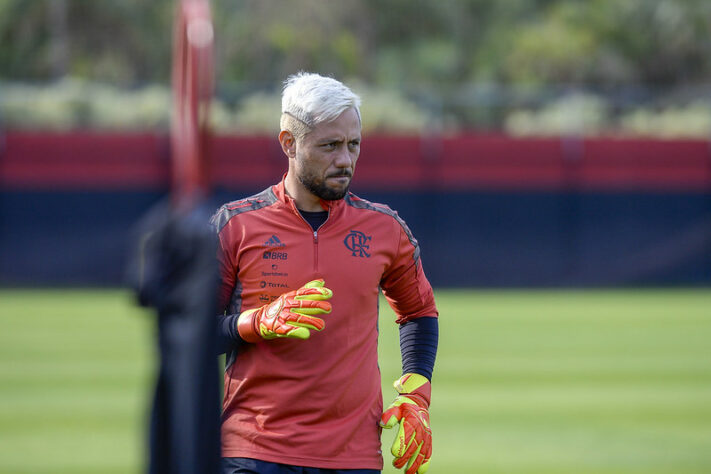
(309, 99)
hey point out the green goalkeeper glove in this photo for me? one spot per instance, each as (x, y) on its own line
(413, 443)
(288, 315)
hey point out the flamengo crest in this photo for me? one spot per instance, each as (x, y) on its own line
(357, 242)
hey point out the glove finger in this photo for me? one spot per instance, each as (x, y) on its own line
(313, 293)
(297, 332)
(412, 450)
(285, 330)
(401, 443)
(390, 417)
(415, 461)
(304, 321)
(427, 448)
(317, 283)
(310, 307)
(425, 453)
(399, 463)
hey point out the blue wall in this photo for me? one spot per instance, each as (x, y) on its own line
(489, 239)
(561, 239)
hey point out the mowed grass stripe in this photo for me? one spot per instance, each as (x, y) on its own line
(526, 381)
(75, 372)
(570, 381)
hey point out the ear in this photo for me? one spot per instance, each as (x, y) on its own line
(288, 143)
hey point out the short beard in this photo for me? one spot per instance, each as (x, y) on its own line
(318, 187)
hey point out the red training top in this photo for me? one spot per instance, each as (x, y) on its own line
(315, 402)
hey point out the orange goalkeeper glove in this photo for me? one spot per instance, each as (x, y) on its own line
(413, 443)
(287, 316)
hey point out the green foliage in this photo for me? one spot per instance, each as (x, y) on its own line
(557, 49)
(576, 114)
(437, 43)
(72, 103)
(388, 110)
(76, 103)
(382, 110)
(692, 120)
(434, 52)
(257, 113)
(122, 41)
(581, 114)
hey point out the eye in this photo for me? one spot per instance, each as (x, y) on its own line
(354, 144)
(329, 146)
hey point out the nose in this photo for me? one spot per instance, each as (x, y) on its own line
(345, 158)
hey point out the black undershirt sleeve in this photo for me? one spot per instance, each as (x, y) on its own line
(227, 336)
(418, 345)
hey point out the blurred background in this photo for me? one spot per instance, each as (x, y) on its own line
(552, 157)
(560, 142)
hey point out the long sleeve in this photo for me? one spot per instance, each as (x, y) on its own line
(418, 345)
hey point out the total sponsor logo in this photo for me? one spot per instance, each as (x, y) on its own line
(269, 284)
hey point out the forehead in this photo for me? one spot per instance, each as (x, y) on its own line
(345, 125)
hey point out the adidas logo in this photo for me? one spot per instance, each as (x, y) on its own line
(274, 242)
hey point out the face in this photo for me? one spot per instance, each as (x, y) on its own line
(325, 158)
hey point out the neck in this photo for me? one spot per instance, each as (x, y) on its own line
(303, 198)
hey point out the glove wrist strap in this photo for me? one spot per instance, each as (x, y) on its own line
(414, 385)
(246, 326)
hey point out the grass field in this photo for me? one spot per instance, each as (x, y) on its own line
(526, 382)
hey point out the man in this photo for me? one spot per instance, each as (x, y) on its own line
(302, 264)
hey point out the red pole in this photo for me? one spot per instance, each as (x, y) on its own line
(193, 83)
